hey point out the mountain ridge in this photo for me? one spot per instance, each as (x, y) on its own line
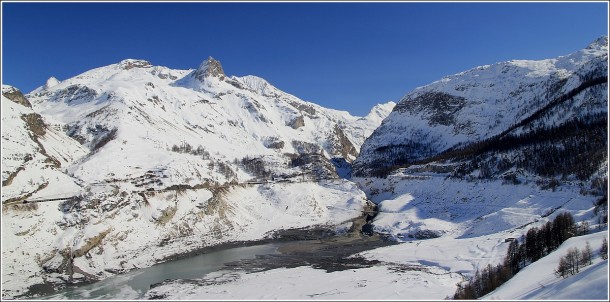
(484, 102)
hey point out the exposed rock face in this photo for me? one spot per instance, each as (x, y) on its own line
(131, 63)
(341, 144)
(305, 108)
(35, 124)
(438, 108)
(90, 243)
(75, 93)
(209, 68)
(297, 122)
(15, 95)
(274, 143)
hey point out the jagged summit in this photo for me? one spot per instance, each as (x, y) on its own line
(208, 68)
(599, 43)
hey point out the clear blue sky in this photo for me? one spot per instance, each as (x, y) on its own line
(346, 56)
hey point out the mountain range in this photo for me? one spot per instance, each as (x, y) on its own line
(129, 164)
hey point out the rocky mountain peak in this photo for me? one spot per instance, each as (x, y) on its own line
(208, 68)
(601, 42)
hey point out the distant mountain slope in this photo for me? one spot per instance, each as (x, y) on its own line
(543, 117)
(133, 106)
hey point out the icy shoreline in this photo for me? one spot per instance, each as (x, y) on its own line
(296, 248)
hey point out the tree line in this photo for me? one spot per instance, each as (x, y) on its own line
(577, 147)
(254, 165)
(185, 147)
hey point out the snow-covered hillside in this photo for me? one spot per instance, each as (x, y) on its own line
(484, 155)
(497, 104)
(35, 152)
(156, 161)
(537, 281)
(133, 104)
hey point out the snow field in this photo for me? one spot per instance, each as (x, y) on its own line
(306, 283)
(461, 209)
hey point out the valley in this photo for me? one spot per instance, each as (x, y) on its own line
(133, 169)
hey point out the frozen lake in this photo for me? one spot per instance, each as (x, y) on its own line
(134, 284)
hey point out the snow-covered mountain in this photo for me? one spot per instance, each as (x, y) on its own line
(155, 161)
(516, 110)
(206, 116)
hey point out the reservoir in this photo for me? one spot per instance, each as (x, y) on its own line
(134, 284)
(318, 249)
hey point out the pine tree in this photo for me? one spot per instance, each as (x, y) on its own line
(512, 258)
(548, 237)
(603, 252)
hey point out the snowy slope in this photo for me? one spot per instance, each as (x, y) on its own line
(452, 226)
(537, 281)
(166, 161)
(476, 158)
(427, 206)
(238, 111)
(488, 101)
(306, 283)
(35, 153)
(132, 106)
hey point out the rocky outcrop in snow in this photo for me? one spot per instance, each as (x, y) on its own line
(33, 150)
(15, 95)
